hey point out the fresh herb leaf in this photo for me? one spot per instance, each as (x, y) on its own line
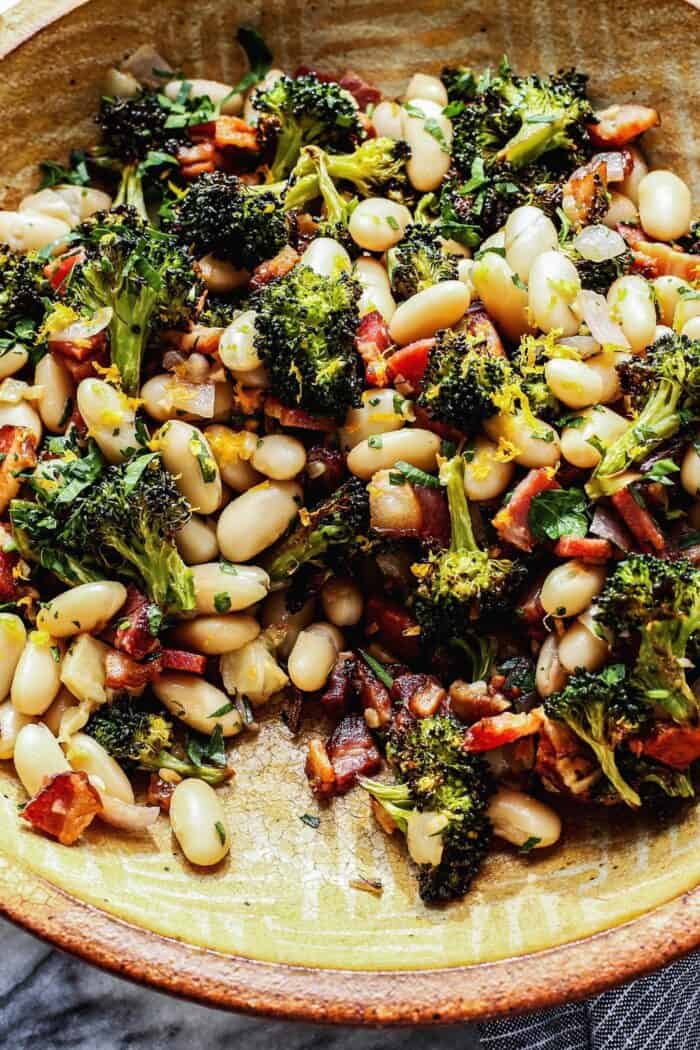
(375, 441)
(221, 832)
(378, 669)
(223, 710)
(222, 602)
(310, 820)
(529, 844)
(558, 512)
(416, 476)
(661, 470)
(53, 174)
(258, 54)
(135, 470)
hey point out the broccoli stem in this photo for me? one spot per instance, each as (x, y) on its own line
(128, 332)
(659, 673)
(462, 532)
(213, 775)
(130, 192)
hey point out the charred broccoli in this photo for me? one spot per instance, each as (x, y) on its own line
(439, 803)
(418, 262)
(462, 382)
(139, 738)
(458, 585)
(305, 333)
(657, 603)
(376, 168)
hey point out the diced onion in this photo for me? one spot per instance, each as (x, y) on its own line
(84, 329)
(12, 391)
(599, 243)
(596, 314)
(194, 399)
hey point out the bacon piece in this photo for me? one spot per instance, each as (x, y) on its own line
(271, 269)
(374, 696)
(584, 195)
(160, 792)
(319, 769)
(479, 326)
(339, 689)
(620, 124)
(443, 430)
(83, 369)
(234, 133)
(198, 338)
(395, 626)
(473, 701)
(675, 746)
(17, 454)
(410, 362)
(639, 521)
(511, 522)
(656, 259)
(435, 516)
(181, 660)
(131, 633)
(121, 672)
(352, 752)
(325, 469)
(422, 694)
(297, 417)
(9, 589)
(588, 548)
(371, 341)
(490, 733)
(64, 807)
(531, 609)
(562, 761)
(364, 94)
(197, 159)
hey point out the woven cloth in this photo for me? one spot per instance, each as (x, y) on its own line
(657, 1012)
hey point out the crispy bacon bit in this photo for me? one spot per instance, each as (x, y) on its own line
(234, 133)
(619, 125)
(271, 269)
(427, 698)
(374, 697)
(435, 516)
(297, 417)
(481, 329)
(159, 793)
(561, 761)
(511, 522)
(473, 701)
(364, 94)
(197, 159)
(675, 746)
(531, 609)
(198, 338)
(656, 259)
(121, 672)
(131, 632)
(587, 548)
(17, 454)
(86, 368)
(351, 751)
(394, 626)
(64, 807)
(639, 521)
(337, 695)
(408, 364)
(181, 660)
(490, 733)
(584, 195)
(319, 769)
(325, 468)
(371, 341)
(9, 589)
(443, 430)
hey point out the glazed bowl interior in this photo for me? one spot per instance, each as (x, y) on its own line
(284, 898)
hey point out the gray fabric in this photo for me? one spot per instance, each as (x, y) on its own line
(658, 1012)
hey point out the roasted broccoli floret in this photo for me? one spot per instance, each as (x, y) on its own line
(334, 525)
(598, 276)
(139, 738)
(655, 783)
(603, 710)
(305, 333)
(439, 803)
(658, 604)
(458, 585)
(304, 111)
(528, 364)
(142, 274)
(462, 382)
(376, 168)
(661, 385)
(471, 210)
(337, 208)
(219, 214)
(23, 298)
(418, 262)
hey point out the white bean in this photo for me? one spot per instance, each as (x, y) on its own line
(187, 455)
(21, 414)
(86, 755)
(423, 86)
(13, 638)
(48, 202)
(518, 819)
(692, 328)
(232, 451)
(430, 153)
(109, 417)
(630, 184)
(486, 476)
(506, 302)
(13, 360)
(690, 472)
(414, 445)
(194, 701)
(214, 635)
(326, 257)
(393, 506)
(311, 660)
(119, 84)
(37, 675)
(537, 445)
(687, 309)
(377, 224)
(83, 671)
(621, 209)
(220, 275)
(604, 366)
(571, 587)
(573, 382)
(382, 411)
(276, 614)
(601, 424)
(387, 119)
(223, 95)
(254, 520)
(55, 402)
(528, 233)
(38, 757)
(631, 305)
(665, 205)
(199, 823)
(667, 291)
(342, 602)
(27, 231)
(423, 314)
(64, 702)
(197, 541)
(279, 456)
(554, 286)
(11, 721)
(376, 289)
(465, 268)
(550, 676)
(237, 344)
(86, 608)
(580, 647)
(220, 590)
